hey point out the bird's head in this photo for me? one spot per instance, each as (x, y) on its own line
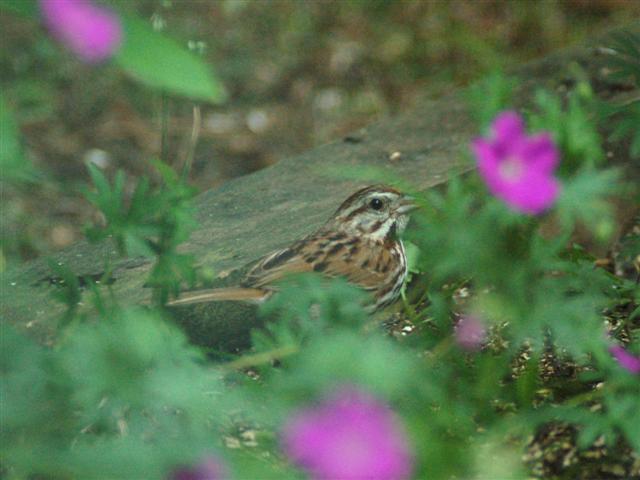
(378, 212)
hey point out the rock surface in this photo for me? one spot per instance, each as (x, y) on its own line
(252, 215)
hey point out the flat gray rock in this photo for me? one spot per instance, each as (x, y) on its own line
(252, 215)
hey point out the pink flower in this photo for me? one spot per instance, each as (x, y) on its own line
(351, 435)
(518, 168)
(209, 469)
(470, 332)
(625, 359)
(92, 32)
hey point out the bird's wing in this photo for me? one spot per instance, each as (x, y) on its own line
(276, 265)
(366, 267)
(256, 287)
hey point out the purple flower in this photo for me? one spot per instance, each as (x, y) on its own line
(470, 332)
(92, 32)
(518, 168)
(351, 435)
(209, 469)
(625, 359)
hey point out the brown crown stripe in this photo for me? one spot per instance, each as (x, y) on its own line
(364, 192)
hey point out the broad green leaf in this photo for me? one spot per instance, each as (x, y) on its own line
(160, 62)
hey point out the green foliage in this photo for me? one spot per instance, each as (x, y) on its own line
(123, 394)
(334, 298)
(307, 305)
(584, 200)
(125, 397)
(159, 62)
(126, 225)
(151, 223)
(527, 283)
(574, 128)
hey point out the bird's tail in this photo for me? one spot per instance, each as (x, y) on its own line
(256, 295)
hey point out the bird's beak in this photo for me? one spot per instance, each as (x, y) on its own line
(408, 204)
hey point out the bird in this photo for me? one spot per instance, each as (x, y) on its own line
(360, 242)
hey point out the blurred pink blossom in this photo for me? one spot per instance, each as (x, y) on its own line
(470, 332)
(625, 359)
(90, 31)
(518, 168)
(351, 435)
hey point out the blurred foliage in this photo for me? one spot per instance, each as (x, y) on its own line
(130, 397)
(123, 395)
(575, 129)
(489, 97)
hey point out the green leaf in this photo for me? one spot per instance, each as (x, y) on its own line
(26, 8)
(160, 62)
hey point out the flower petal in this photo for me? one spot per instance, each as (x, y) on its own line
(350, 435)
(487, 160)
(533, 195)
(518, 168)
(92, 32)
(508, 126)
(540, 151)
(625, 359)
(470, 332)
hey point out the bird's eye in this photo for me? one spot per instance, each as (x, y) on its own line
(376, 203)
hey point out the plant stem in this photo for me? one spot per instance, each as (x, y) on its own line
(193, 141)
(164, 128)
(261, 358)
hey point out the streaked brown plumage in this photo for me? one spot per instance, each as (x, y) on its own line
(359, 242)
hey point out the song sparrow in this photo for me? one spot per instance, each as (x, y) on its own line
(359, 242)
